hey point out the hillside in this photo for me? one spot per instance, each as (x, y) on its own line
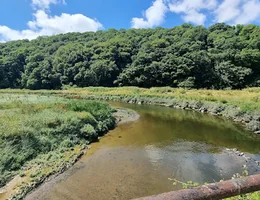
(217, 57)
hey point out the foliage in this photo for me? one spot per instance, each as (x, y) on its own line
(186, 56)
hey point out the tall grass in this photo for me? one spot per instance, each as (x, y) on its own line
(239, 105)
(246, 99)
(31, 126)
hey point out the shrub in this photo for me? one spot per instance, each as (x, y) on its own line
(88, 131)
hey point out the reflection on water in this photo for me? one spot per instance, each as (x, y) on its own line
(136, 159)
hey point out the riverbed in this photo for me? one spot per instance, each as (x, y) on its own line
(138, 157)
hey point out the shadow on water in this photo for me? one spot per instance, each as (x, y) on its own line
(137, 158)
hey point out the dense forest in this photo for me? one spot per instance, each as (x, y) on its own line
(218, 57)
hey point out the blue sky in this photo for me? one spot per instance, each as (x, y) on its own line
(20, 19)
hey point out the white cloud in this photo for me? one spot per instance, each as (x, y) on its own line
(62, 24)
(7, 34)
(250, 12)
(238, 11)
(227, 11)
(51, 25)
(44, 4)
(153, 16)
(191, 9)
(194, 17)
(188, 5)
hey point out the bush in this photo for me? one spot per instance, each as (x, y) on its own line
(88, 132)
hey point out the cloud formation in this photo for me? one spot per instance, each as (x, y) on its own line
(250, 11)
(45, 24)
(45, 4)
(199, 11)
(238, 11)
(153, 16)
(227, 11)
(191, 10)
(48, 25)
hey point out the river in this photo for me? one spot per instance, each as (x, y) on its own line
(137, 158)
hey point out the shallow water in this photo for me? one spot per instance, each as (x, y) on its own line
(137, 158)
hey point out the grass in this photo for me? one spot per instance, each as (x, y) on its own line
(43, 135)
(238, 105)
(246, 99)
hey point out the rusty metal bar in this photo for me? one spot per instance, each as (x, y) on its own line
(213, 191)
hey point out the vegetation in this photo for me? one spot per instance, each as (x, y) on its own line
(41, 135)
(238, 105)
(187, 56)
(45, 133)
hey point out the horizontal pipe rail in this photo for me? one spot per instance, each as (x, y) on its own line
(213, 191)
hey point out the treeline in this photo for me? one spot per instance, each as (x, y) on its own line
(217, 57)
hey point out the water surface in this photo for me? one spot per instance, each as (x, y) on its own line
(137, 158)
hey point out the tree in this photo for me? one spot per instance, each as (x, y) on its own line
(221, 56)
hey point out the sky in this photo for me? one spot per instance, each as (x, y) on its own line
(28, 19)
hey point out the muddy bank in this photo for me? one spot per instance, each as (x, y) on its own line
(124, 115)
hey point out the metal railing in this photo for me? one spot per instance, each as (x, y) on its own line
(213, 191)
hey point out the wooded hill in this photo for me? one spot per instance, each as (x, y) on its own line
(217, 57)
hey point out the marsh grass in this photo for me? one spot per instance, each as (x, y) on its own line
(43, 132)
(238, 105)
(246, 99)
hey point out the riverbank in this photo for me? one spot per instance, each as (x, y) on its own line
(136, 159)
(124, 115)
(238, 105)
(241, 106)
(44, 136)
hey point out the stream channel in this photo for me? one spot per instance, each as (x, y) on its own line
(137, 158)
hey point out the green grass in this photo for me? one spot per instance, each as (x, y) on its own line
(44, 132)
(238, 105)
(246, 99)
